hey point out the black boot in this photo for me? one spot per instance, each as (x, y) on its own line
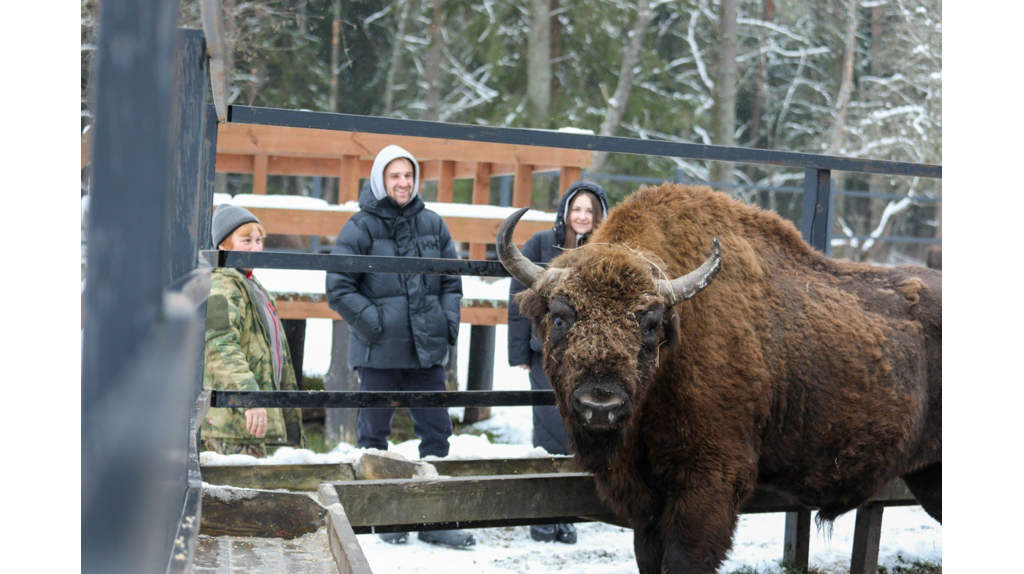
(543, 532)
(395, 537)
(449, 538)
(565, 533)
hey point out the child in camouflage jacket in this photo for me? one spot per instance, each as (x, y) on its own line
(246, 349)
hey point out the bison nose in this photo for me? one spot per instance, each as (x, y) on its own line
(600, 406)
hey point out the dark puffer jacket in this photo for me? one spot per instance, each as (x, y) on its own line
(396, 321)
(524, 348)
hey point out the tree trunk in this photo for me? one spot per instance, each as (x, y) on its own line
(757, 106)
(538, 64)
(396, 56)
(433, 64)
(335, 55)
(631, 56)
(724, 119)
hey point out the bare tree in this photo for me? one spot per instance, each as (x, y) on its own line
(538, 64)
(627, 72)
(404, 8)
(724, 118)
(433, 65)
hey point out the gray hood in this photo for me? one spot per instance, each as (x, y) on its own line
(386, 156)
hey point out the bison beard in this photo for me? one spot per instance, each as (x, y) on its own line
(818, 378)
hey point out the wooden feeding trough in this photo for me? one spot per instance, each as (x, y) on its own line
(381, 494)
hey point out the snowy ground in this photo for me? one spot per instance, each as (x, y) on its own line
(908, 534)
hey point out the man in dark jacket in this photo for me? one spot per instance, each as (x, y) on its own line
(400, 326)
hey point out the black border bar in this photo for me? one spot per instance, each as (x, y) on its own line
(356, 263)
(547, 138)
(379, 400)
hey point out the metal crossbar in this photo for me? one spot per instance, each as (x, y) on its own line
(548, 138)
(356, 263)
(379, 399)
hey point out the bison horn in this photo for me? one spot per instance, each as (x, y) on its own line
(681, 289)
(525, 271)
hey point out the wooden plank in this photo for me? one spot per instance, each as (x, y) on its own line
(522, 187)
(411, 502)
(328, 166)
(348, 555)
(259, 175)
(259, 513)
(276, 476)
(348, 179)
(566, 177)
(249, 139)
(445, 181)
(867, 536)
(511, 466)
(280, 221)
(797, 544)
(291, 309)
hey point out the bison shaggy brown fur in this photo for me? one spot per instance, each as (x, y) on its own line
(815, 377)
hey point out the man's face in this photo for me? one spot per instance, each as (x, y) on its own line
(398, 180)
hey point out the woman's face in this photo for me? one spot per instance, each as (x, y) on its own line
(581, 214)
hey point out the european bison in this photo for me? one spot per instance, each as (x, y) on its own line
(819, 378)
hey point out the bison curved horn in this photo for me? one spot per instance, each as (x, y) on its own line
(682, 288)
(527, 272)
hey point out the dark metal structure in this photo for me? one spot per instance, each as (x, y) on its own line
(153, 153)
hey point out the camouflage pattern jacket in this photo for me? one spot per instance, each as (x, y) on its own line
(239, 358)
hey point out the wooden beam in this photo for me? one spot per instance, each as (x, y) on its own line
(260, 513)
(415, 502)
(445, 181)
(259, 175)
(277, 476)
(249, 139)
(797, 542)
(481, 196)
(566, 177)
(376, 467)
(348, 179)
(522, 186)
(348, 555)
(328, 166)
(290, 309)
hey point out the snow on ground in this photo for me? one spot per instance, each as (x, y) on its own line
(908, 534)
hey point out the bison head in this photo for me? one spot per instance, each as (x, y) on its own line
(605, 314)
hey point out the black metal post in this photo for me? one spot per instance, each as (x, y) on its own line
(295, 333)
(129, 511)
(817, 208)
(480, 374)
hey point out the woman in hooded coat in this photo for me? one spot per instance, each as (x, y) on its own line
(583, 207)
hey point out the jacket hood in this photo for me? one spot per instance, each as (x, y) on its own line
(566, 201)
(386, 156)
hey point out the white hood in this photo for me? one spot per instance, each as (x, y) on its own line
(386, 156)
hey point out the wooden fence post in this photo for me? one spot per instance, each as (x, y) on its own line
(867, 536)
(523, 186)
(481, 196)
(348, 180)
(446, 181)
(259, 174)
(798, 540)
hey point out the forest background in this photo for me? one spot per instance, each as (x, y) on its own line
(855, 78)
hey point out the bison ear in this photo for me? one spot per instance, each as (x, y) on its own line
(670, 324)
(532, 305)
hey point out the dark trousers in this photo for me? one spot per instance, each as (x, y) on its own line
(548, 428)
(433, 426)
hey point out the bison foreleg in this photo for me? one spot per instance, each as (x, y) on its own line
(696, 531)
(647, 546)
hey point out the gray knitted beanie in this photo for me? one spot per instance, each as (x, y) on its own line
(227, 219)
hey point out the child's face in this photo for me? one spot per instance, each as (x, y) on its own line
(245, 242)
